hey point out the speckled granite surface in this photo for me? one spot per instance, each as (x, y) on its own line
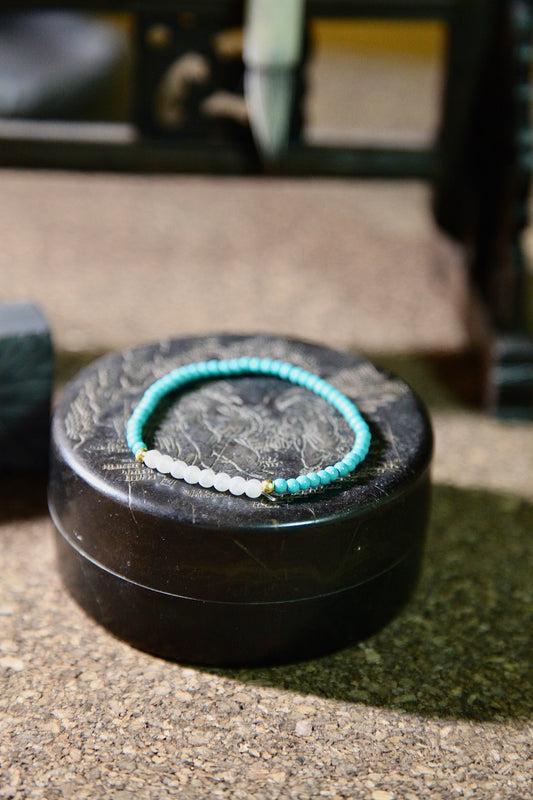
(438, 704)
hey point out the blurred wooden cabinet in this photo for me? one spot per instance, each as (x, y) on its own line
(479, 165)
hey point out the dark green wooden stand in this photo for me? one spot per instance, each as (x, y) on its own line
(25, 388)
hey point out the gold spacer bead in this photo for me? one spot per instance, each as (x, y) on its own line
(140, 454)
(267, 486)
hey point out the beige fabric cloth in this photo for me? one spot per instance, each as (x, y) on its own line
(127, 259)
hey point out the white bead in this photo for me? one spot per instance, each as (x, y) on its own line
(237, 485)
(150, 458)
(178, 468)
(191, 474)
(253, 488)
(207, 478)
(221, 482)
(163, 463)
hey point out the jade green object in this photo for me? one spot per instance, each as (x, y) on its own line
(25, 387)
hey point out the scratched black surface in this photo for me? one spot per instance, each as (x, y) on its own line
(170, 536)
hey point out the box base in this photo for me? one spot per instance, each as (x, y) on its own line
(235, 634)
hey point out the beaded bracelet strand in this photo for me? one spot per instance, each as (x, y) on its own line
(238, 485)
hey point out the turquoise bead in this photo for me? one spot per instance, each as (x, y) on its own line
(332, 472)
(265, 366)
(363, 436)
(342, 468)
(303, 482)
(280, 486)
(314, 480)
(202, 370)
(212, 367)
(293, 486)
(324, 477)
(350, 461)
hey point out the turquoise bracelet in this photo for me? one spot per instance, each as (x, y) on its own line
(238, 485)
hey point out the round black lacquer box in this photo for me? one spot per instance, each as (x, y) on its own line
(199, 576)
